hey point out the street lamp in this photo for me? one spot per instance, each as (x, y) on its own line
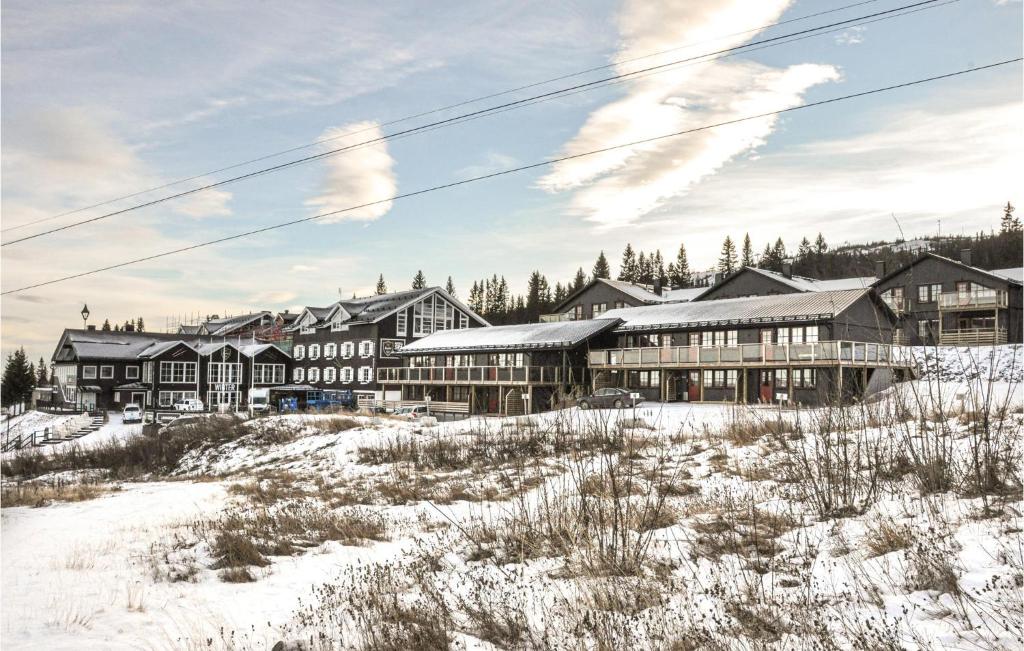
(85, 315)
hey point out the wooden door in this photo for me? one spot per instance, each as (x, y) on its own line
(693, 386)
(766, 386)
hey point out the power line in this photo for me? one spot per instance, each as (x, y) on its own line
(513, 170)
(431, 112)
(464, 117)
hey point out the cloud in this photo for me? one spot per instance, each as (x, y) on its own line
(851, 36)
(620, 187)
(360, 176)
(493, 162)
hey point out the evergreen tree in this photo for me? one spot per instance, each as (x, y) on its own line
(382, 288)
(476, 297)
(579, 281)
(419, 281)
(748, 252)
(820, 247)
(561, 293)
(42, 376)
(682, 269)
(106, 325)
(643, 268)
(627, 269)
(601, 268)
(139, 325)
(804, 251)
(502, 299)
(727, 261)
(658, 265)
(535, 289)
(1009, 223)
(18, 379)
(128, 326)
(766, 258)
(450, 286)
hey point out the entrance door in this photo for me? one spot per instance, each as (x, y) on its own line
(767, 380)
(139, 398)
(693, 386)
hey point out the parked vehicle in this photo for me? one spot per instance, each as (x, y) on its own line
(610, 398)
(188, 404)
(131, 414)
(411, 412)
(259, 401)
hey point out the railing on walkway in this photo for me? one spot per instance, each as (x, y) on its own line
(471, 375)
(988, 299)
(973, 337)
(823, 353)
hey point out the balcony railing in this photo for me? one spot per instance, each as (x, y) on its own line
(555, 318)
(983, 300)
(973, 337)
(472, 375)
(824, 353)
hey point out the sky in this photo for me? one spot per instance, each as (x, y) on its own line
(104, 99)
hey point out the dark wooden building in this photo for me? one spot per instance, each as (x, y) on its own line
(601, 295)
(343, 345)
(753, 281)
(950, 302)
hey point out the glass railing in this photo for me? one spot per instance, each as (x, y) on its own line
(470, 374)
(852, 352)
(985, 299)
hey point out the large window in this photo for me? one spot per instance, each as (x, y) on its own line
(597, 309)
(88, 372)
(329, 374)
(224, 372)
(804, 378)
(131, 372)
(432, 314)
(268, 374)
(720, 379)
(577, 312)
(168, 398)
(178, 372)
(365, 374)
(929, 293)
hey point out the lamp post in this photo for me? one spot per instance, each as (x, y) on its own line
(85, 316)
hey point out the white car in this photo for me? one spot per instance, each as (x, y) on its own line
(411, 413)
(188, 404)
(131, 414)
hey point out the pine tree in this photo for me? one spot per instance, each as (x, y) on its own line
(766, 258)
(476, 297)
(128, 326)
(804, 251)
(534, 292)
(681, 268)
(42, 376)
(18, 380)
(601, 268)
(627, 269)
(419, 281)
(748, 252)
(560, 293)
(450, 286)
(642, 269)
(579, 281)
(658, 266)
(778, 255)
(727, 261)
(820, 246)
(139, 325)
(382, 288)
(1009, 223)
(106, 325)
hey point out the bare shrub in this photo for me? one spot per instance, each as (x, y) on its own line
(38, 494)
(885, 536)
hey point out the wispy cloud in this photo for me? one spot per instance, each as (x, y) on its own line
(852, 36)
(356, 177)
(619, 187)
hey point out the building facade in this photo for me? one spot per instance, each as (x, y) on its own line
(602, 295)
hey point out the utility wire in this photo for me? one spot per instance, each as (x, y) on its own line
(459, 118)
(513, 170)
(430, 112)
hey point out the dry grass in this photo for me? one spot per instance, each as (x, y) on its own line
(883, 537)
(39, 495)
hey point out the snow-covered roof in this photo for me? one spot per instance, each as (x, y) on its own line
(371, 309)
(1013, 273)
(107, 344)
(799, 283)
(801, 306)
(227, 325)
(160, 347)
(252, 350)
(529, 336)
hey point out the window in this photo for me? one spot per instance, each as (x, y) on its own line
(720, 379)
(694, 338)
(106, 372)
(649, 379)
(804, 378)
(811, 334)
(782, 335)
(346, 374)
(313, 375)
(620, 304)
(268, 374)
(330, 351)
(577, 312)
(300, 352)
(366, 348)
(329, 374)
(796, 336)
(929, 293)
(401, 322)
(224, 372)
(460, 394)
(147, 372)
(730, 379)
(365, 374)
(298, 374)
(463, 321)
(766, 336)
(338, 326)
(781, 378)
(131, 372)
(347, 349)
(88, 372)
(597, 309)
(314, 351)
(168, 398)
(732, 338)
(178, 372)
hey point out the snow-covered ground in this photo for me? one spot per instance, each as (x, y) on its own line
(739, 557)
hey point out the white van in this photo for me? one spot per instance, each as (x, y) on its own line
(259, 401)
(131, 414)
(188, 404)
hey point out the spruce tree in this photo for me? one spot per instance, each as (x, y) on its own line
(560, 293)
(627, 269)
(682, 268)
(658, 265)
(382, 288)
(450, 286)
(727, 261)
(820, 246)
(106, 325)
(804, 251)
(601, 268)
(18, 380)
(139, 325)
(419, 281)
(1009, 223)
(748, 252)
(579, 281)
(642, 269)
(42, 375)
(766, 258)
(476, 297)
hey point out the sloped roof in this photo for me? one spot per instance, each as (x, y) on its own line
(529, 336)
(1012, 275)
(800, 306)
(106, 344)
(160, 347)
(799, 283)
(370, 309)
(638, 292)
(227, 325)
(185, 329)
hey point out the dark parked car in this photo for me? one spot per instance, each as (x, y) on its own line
(610, 398)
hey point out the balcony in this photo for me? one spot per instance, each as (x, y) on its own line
(991, 299)
(824, 353)
(899, 305)
(973, 337)
(493, 375)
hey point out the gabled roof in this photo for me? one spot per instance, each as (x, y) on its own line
(1011, 275)
(637, 292)
(799, 306)
(530, 336)
(228, 325)
(106, 344)
(798, 283)
(185, 329)
(160, 347)
(371, 309)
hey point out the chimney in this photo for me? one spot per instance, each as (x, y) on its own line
(657, 286)
(879, 268)
(91, 327)
(787, 269)
(718, 277)
(965, 256)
